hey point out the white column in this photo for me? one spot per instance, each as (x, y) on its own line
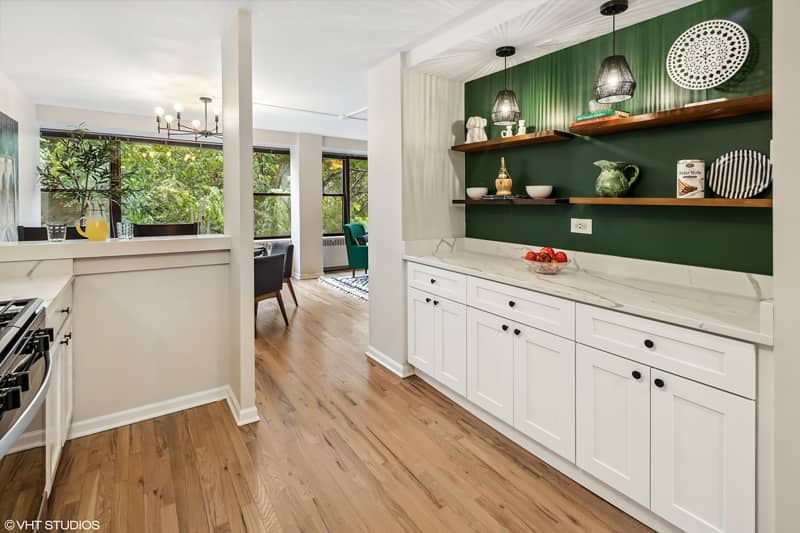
(237, 120)
(786, 220)
(387, 295)
(307, 206)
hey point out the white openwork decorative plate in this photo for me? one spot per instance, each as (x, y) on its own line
(740, 174)
(708, 54)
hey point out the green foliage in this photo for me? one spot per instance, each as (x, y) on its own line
(333, 183)
(271, 214)
(358, 191)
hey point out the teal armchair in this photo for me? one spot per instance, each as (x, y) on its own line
(357, 254)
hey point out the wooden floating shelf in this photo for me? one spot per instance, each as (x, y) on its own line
(539, 137)
(681, 202)
(516, 201)
(683, 115)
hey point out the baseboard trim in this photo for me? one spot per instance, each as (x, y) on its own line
(401, 369)
(146, 412)
(566, 467)
(242, 417)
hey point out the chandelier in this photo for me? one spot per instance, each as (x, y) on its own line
(174, 127)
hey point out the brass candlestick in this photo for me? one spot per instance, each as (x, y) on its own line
(503, 181)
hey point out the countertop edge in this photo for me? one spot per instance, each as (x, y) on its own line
(36, 251)
(708, 327)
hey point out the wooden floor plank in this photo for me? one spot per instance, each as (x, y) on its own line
(342, 445)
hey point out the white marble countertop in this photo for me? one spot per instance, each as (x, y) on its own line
(735, 316)
(44, 287)
(74, 249)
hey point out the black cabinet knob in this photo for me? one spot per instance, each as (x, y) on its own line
(517, 332)
(505, 327)
(512, 303)
(433, 281)
(658, 382)
(427, 300)
(648, 343)
(66, 310)
(66, 339)
(636, 374)
(436, 302)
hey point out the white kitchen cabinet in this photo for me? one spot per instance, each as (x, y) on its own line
(703, 456)
(421, 331)
(68, 382)
(450, 357)
(54, 412)
(490, 363)
(612, 398)
(544, 389)
(437, 337)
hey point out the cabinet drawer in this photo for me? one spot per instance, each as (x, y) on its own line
(534, 309)
(444, 283)
(59, 309)
(717, 361)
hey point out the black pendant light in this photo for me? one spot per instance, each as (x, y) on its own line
(615, 82)
(505, 110)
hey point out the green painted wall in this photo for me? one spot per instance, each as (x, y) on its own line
(555, 88)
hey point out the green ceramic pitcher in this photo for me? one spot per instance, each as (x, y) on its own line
(616, 178)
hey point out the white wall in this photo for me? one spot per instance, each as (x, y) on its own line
(433, 175)
(18, 106)
(786, 220)
(307, 206)
(387, 295)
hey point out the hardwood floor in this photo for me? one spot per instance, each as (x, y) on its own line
(343, 445)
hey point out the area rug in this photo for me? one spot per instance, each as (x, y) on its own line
(357, 286)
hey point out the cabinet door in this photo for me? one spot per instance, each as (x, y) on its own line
(612, 411)
(450, 363)
(53, 413)
(703, 463)
(490, 363)
(544, 389)
(421, 331)
(68, 389)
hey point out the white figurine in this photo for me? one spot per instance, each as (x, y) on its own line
(521, 128)
(476, 131)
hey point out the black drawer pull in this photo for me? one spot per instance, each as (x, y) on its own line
(517, 332)
(636, 375)
(505, 328)
(66, 310)
(436, 302)
(659, 383)
(512, 303)
(433, 281)
(427, 300)
(648, 343)
(66, 339)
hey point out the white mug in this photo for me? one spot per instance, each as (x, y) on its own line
(508, 132)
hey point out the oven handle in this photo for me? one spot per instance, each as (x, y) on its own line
(21, 424)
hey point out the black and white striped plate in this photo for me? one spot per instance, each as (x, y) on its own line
(740, 174)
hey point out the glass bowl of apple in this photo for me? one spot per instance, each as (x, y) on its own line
(546, 261)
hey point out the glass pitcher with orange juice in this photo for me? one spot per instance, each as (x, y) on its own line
(95, 222)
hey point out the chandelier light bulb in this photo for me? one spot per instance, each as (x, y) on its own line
(178, 108)
(159, 111)
(168, 119)
(216, 111)
(196, 124)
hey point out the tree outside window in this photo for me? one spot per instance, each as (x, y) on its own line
(344, 192)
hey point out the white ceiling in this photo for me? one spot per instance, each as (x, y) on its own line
(128, 56)
(548, 26)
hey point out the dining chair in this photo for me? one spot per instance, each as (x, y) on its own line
(268, 281)
(287, 249)
(164, 230)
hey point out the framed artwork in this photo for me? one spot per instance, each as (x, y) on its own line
(9, 176)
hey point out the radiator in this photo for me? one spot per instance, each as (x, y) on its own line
(334, 253)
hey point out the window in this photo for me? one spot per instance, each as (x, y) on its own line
(344, 192)
(271, 193)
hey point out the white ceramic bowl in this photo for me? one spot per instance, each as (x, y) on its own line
(539, 191)
(476, 193)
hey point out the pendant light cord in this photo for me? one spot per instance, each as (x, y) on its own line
(505, 72)
(613, 35)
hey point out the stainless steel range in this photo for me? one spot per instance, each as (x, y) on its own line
(24, 378)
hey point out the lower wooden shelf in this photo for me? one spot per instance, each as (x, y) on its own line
(681, 202)
(592, 200)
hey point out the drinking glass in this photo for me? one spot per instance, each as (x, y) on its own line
(124, 231)
(56, 232)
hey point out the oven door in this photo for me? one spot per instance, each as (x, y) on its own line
(23, 465)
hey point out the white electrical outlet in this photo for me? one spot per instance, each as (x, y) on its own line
(581, 225)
